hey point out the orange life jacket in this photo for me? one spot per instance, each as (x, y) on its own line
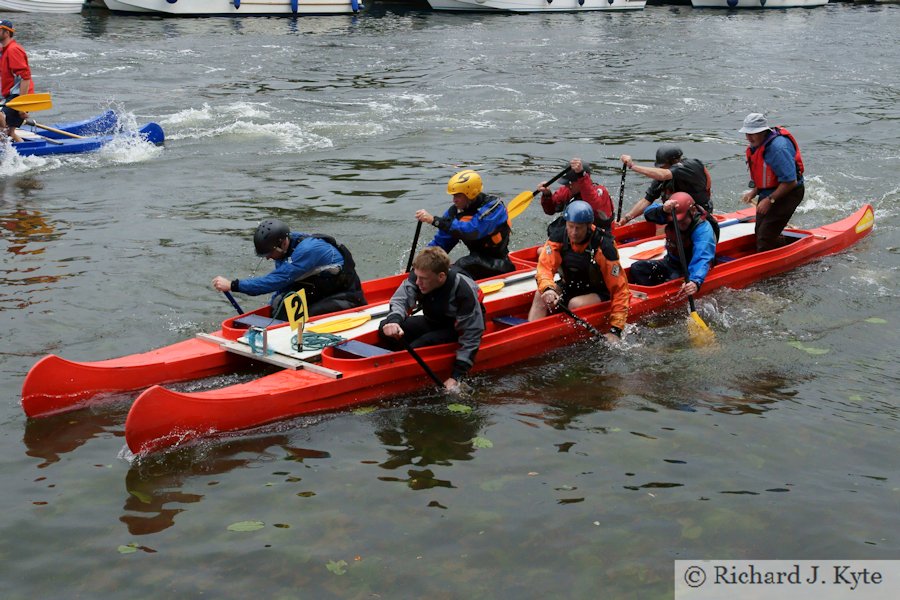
(761, 174)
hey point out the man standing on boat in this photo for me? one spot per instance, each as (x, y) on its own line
(671, 173)
(15, 79)
(577, 185)
(699, 245)
(451, 311)
(587, 260)
(776, 177)
(479, 221)
(316, 263)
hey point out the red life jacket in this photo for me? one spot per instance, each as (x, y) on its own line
(761, 174)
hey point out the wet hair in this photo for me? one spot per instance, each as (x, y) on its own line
(434, 259)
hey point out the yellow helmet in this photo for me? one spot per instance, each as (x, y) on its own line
(467, 182)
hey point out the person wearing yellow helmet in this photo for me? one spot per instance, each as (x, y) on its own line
(479, 221)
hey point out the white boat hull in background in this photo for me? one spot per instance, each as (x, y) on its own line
(244, 8)
(758, 3)
(537, 5)
(42, 6)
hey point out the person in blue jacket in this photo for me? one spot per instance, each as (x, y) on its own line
(479, 221)
(316, 263)
(699, 245)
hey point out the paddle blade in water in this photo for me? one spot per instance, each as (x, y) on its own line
(699, 331)
(519, 204)
(489, 287)
(338, 324)
(31, 102)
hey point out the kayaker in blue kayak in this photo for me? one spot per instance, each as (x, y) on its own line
(316, 263)
(479, 221)
(587, 261)
(451, 311)
(15, 79)
(699, 242)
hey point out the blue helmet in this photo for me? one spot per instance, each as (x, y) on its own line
(579, 211)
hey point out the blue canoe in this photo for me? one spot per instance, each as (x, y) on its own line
(94, 133)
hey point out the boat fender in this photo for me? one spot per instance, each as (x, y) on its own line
(610, 1)
(732, 3)
(171, 1)
(294, 6)
(580, 2)
(354, 4)
(762, 2)
(237, 3)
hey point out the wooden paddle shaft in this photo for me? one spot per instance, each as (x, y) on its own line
(55, 130)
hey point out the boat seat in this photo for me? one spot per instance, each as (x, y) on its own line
(509, 321)
(794, 234)
(361, 349)
(257, 321)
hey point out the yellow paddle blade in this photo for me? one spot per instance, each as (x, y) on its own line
(31, 102)
(490, 287)
(337, 324)
(648, 254)
(699, 331)
(519, 204)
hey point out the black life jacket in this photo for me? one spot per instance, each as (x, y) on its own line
(441, 306)
(495, 245)
(686, 236)
(322, 285)
(579, 271)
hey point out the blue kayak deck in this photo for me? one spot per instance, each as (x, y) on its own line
(94, 133)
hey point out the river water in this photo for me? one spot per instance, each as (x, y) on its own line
(582, 473)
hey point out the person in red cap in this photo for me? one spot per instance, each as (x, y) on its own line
(15, 79)
(577, 185)
(698, 239)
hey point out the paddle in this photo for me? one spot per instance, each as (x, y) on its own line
(234, 303)
(337, 324)
(55, 130)
(490, 287)
(412, 251)
(621, 193)
(521, 202)
(422, 363)
(30, 102)
(654, 252)
(700, 333)
(579, 320)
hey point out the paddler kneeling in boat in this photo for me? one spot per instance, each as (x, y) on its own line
(587, 260)
(451, 311)
(577, 185)
(699, 245)
(479, 221)
(316, 263)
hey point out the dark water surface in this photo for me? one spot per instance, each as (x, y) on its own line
(579, 474)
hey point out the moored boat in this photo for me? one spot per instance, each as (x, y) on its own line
(42, 6)
(358, 371)
(79, 136)
(537, 5)
(757, 4)
(238, 8)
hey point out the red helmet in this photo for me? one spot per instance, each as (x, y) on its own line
(683, 204)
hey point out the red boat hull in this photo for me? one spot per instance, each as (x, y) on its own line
(55, 385)
(161, 418)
